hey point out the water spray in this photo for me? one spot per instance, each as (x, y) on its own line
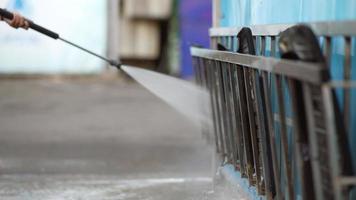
(8, 15)
(187, 98)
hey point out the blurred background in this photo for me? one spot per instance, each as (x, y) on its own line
(153, 34)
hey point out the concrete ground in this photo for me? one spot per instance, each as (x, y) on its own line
(97, 139)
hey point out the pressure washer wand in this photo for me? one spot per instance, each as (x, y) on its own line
(8, 15)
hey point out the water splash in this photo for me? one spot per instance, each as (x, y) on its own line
(187, 98)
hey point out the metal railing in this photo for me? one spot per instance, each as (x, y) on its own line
(277, 121)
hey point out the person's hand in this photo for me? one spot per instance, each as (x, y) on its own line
(18, 22)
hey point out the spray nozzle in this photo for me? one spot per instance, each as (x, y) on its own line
(115, 64)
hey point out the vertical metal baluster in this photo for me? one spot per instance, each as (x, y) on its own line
(273, 54)
(201, 72)
(313, 143)
(284, 137)
(223, 41)
(206, 129)
(328, 55)
(219, 109)
(230, 109)
(269, 185)
(232, 106)
(234, 134)
(254, 91)
(211, 87)
(223, 110)
(217, 89)
(226, 110)
(327, 49)
(245, 123)
(266, 154)
(232, 43)
(216, 108)
(255, 38)
(263, 46)
(204, 73)
(272, 137)
(301, 143)
(347, 77)
(237, 118)
(227, 42)
(201, 82)
(260, 171)
(248, 73)
(196, 62)
(228, 126)
(217, 41)
(332, 141)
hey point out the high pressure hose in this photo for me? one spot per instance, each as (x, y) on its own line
(8, 15)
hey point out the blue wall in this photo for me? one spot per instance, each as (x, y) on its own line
(195, 21)
(255, 12)
(247, 12)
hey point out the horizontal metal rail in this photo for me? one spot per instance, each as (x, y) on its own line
(310, 72)
(342, 84)
(336, 28)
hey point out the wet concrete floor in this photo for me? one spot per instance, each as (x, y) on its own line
(97, 139)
